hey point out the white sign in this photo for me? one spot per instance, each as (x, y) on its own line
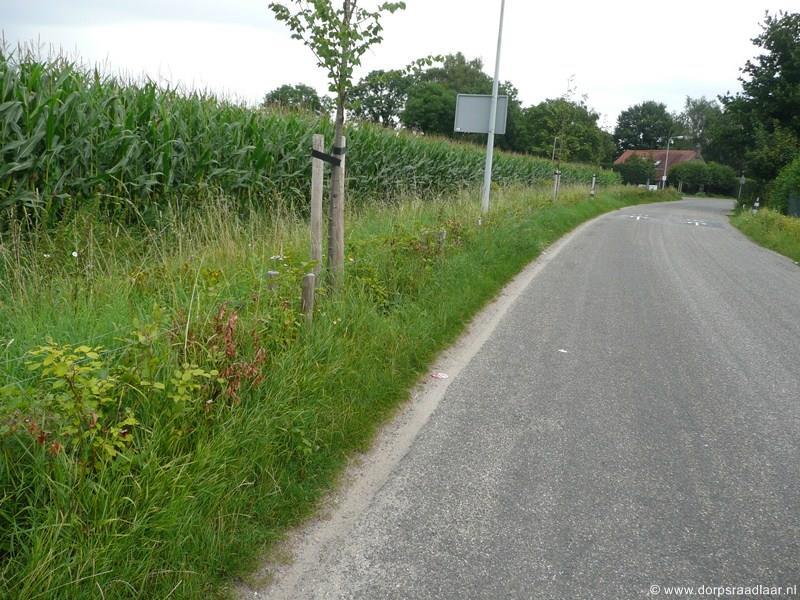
(473, 110)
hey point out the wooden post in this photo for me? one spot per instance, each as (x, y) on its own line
(317, 180)
(307, 297)
(336, 225)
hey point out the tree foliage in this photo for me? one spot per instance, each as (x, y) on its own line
(644, 126)
(338, 37)
(697, 176)
(299, 96)
(430, 108)
(771, 81)
(380, 97)
(571, 127)
(698, 118)
(438, 81)
(759, 129)
(637, 171)
(787, 183)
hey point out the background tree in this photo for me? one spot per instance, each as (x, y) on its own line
(574, 124)
(720, 179)
(459, 74)
(338, 38)
(298, 96)
(440, 83)
(644, 126)
(771, 81)
(692, 174)
(759, 128)
(380, 97)
(730, 134)
(698, 118)
(430, 108)
(636, 171)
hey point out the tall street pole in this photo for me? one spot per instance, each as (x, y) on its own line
(487, 172)
(666, 166)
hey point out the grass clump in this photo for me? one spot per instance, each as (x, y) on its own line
(772, 230)
(166, 414)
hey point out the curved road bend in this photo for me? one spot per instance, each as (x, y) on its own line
(632, 422)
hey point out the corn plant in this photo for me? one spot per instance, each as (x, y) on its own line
(71, 135)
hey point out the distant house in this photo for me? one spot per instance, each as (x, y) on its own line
(659, 158)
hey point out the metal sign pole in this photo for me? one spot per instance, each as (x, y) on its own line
(487, 173)
(741, 186)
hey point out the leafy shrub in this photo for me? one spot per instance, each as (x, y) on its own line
(693, 174)
(636, 171)
(787, 183)
(720, 179)
(698, 176)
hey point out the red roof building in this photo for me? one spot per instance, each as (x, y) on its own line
(659, 158)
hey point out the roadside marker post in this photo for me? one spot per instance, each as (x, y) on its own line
(556, 183)
(594, 184)
(307, 297)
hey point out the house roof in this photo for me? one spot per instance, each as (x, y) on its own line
(660, 156)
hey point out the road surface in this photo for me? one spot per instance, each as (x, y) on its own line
(631, 422)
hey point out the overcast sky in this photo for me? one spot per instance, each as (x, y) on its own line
(619, 53)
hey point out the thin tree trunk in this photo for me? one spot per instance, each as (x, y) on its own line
(336, 206)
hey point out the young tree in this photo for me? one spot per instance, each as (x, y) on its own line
(338, 36)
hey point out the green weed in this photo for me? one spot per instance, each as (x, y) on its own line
(772, 230)
(227, 417)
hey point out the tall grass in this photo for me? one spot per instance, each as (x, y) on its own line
(71, 135)
(772, 230)
(204, 483)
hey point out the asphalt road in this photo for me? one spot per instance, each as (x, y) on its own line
(631, 422)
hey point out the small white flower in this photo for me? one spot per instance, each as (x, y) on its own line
(276, 257)
(75, 254)
(46, 255)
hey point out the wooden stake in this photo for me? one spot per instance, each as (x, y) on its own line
(317, 180)
(307, 297)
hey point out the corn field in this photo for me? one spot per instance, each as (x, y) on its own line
(69, 135)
